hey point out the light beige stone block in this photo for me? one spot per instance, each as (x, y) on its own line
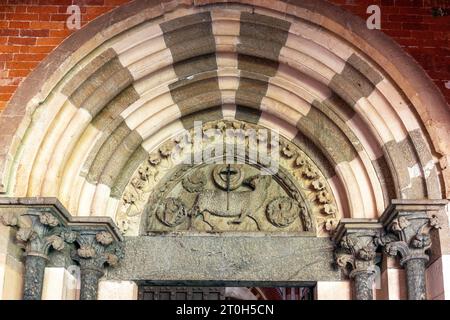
(366, 189)
(32, 143)
(142, 50)
(333, 290)
(151, 86)
(162, 133)
(396, 284)
(75, 163)
(47, 147)
(140, 34)
(117, 290)
(435, 279)
(229, 111)
(396, 101)
(373, 117)
(12, 279)
(305, 87)
(284, 129)
(366, 136)
(59, 284)
(151, 111)
(307, 65)
(323, 38)
(100, 201)
(388, 114)
(151, 63)
(154, 124)
(350, 180)
(312, 49)
(87, 194)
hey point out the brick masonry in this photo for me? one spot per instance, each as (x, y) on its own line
(31, 29)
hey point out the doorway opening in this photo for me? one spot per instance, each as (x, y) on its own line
(148, 291)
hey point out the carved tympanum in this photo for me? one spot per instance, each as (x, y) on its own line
(250, 202)
(300, 180)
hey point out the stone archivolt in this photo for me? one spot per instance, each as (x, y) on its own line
(298, 190)
(313, 72)
(140, 80)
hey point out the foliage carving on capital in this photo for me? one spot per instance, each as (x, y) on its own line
(38, 232)
(96, 250)
(356, 253)
(408, 236)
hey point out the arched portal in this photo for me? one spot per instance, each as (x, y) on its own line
(361, 125)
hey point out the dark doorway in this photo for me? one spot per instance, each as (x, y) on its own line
(152, 292)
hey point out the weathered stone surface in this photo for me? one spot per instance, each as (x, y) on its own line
(385, 177)
(415, 277)
(363, 281)
(247, 114)
(313, 151)
(227, 258)
(34, 277)
(324, 132)
(262, 36)
(406, 167)
(229, 198)
(89, 284)
(100, 87)
(409, 224)
(356, 81)
(83, 75)
(127, 171)
(104, 154)
(356, 252)
(189, 36)
(120, 157)
(210, 114)
(163, 195)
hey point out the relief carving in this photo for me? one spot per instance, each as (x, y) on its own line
(311, 199)
(283, 211)
(233, 198)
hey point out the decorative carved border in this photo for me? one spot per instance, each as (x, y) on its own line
(306, 173)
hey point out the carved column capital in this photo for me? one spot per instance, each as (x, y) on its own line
(97, 248)
(356, 245)
(38, 231)
(408, 224)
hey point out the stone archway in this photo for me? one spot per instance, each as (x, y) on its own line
(111, 96)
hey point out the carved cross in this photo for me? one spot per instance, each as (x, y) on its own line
(229, 172)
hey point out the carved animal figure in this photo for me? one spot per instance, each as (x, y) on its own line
(232, 204)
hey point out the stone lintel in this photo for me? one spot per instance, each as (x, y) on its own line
(230, 259)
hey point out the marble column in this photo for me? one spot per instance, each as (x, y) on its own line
(34, 277)
(39, 232)
(408, 224)
(97, 249)
(356, 245)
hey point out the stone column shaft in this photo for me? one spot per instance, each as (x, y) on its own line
(89, 283)
(408, 226)
(34, 277)
(415, 279)
(362, 285)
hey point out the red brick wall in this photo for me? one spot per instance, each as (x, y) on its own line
(30, 29)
